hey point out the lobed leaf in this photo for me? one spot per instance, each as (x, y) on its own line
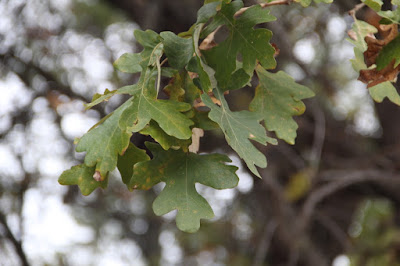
(238, 128)
(382, 90)
(82, 175)
(104, 143)
(278, 98)
(181, 171)
(251, 44)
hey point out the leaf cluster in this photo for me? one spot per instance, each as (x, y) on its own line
(201, 71)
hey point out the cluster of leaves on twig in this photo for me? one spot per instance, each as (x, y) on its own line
(377, 59)
(201, 73)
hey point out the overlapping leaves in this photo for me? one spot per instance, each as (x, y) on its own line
(277, 99)
(239, 128)
(199, 77)
(243, 40)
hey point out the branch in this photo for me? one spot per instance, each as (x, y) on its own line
(265, 243)
(347, 179)
(264, 5)
(17, 244)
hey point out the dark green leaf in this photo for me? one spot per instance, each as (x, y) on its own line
(252, 44)
(126, 162)
(181, 171)
(178, 50)
(389, 53)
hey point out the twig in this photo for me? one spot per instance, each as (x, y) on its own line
(319, 136)
(355, 10)
(264, 5)
(265, 243)
(17, 244)
(346, 180)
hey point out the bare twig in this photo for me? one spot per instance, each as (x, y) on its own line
(355, 9)
(346, 179)
(319, 136)
(334, 229)
(264, 243)
(17, 244)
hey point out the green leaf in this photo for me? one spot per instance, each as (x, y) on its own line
(181, 88)
(207, 11)
(278, 98)
(82, 175)
(144, 106)
(152, 47)
(392, 15)
(388, 53)
(206, 80)
(126, 162)
(376, 5)
(181, 171)
(166, 141)
(383, 90)
(104, 143)
(306, 3)
(98, 98)
(128, 63)
(238, 128)
(252, 44)
(178, 50)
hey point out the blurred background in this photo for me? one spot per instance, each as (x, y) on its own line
(331, 199)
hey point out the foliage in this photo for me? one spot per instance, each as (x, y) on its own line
(202, 72)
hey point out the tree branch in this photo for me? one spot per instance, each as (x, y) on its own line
(346, 180)
(17, 244)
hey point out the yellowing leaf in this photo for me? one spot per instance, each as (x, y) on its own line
(238, 128)
(181, 171)
(383, 90)
(82, 176)
(278, 98)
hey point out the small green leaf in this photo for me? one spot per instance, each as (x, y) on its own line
(238, 128)
(178, 50)
(252, 44)
(181, 171)
(144, 106)
(104, 143)
(388, 53)
(166, 141)
(98, 98)
(278, 98)
(126, 162)
(376, 5)
(207, 11)
(128, 63)
(82, 176)
(383, 90)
